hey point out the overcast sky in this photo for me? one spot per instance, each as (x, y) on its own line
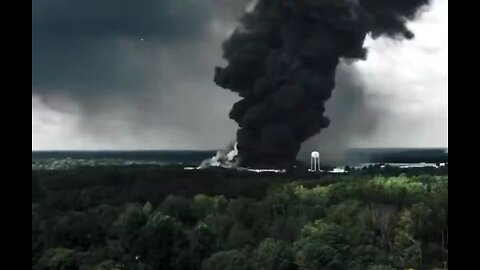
(124, 75)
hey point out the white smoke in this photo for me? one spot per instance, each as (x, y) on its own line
(227, 158)
(251, 6)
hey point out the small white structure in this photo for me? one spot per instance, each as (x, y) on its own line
(315, 161)
(338, 170)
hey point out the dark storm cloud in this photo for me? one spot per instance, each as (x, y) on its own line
(89, 55)
(77, 44)
(101, 18)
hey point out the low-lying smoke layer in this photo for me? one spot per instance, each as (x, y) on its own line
(282, 61)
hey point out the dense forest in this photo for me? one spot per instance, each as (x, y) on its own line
(150, 218)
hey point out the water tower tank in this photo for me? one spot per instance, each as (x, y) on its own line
(315, 161)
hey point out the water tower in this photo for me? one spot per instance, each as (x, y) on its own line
(315, 161)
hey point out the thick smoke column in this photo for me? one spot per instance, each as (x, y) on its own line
(282, 61)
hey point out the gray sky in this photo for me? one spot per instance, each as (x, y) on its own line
(118, 75)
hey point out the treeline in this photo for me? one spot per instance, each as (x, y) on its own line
(335, 222)
(117, 185)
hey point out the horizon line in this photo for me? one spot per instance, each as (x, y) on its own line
(204, 150)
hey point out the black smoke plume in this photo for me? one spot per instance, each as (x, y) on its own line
(282, 61)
